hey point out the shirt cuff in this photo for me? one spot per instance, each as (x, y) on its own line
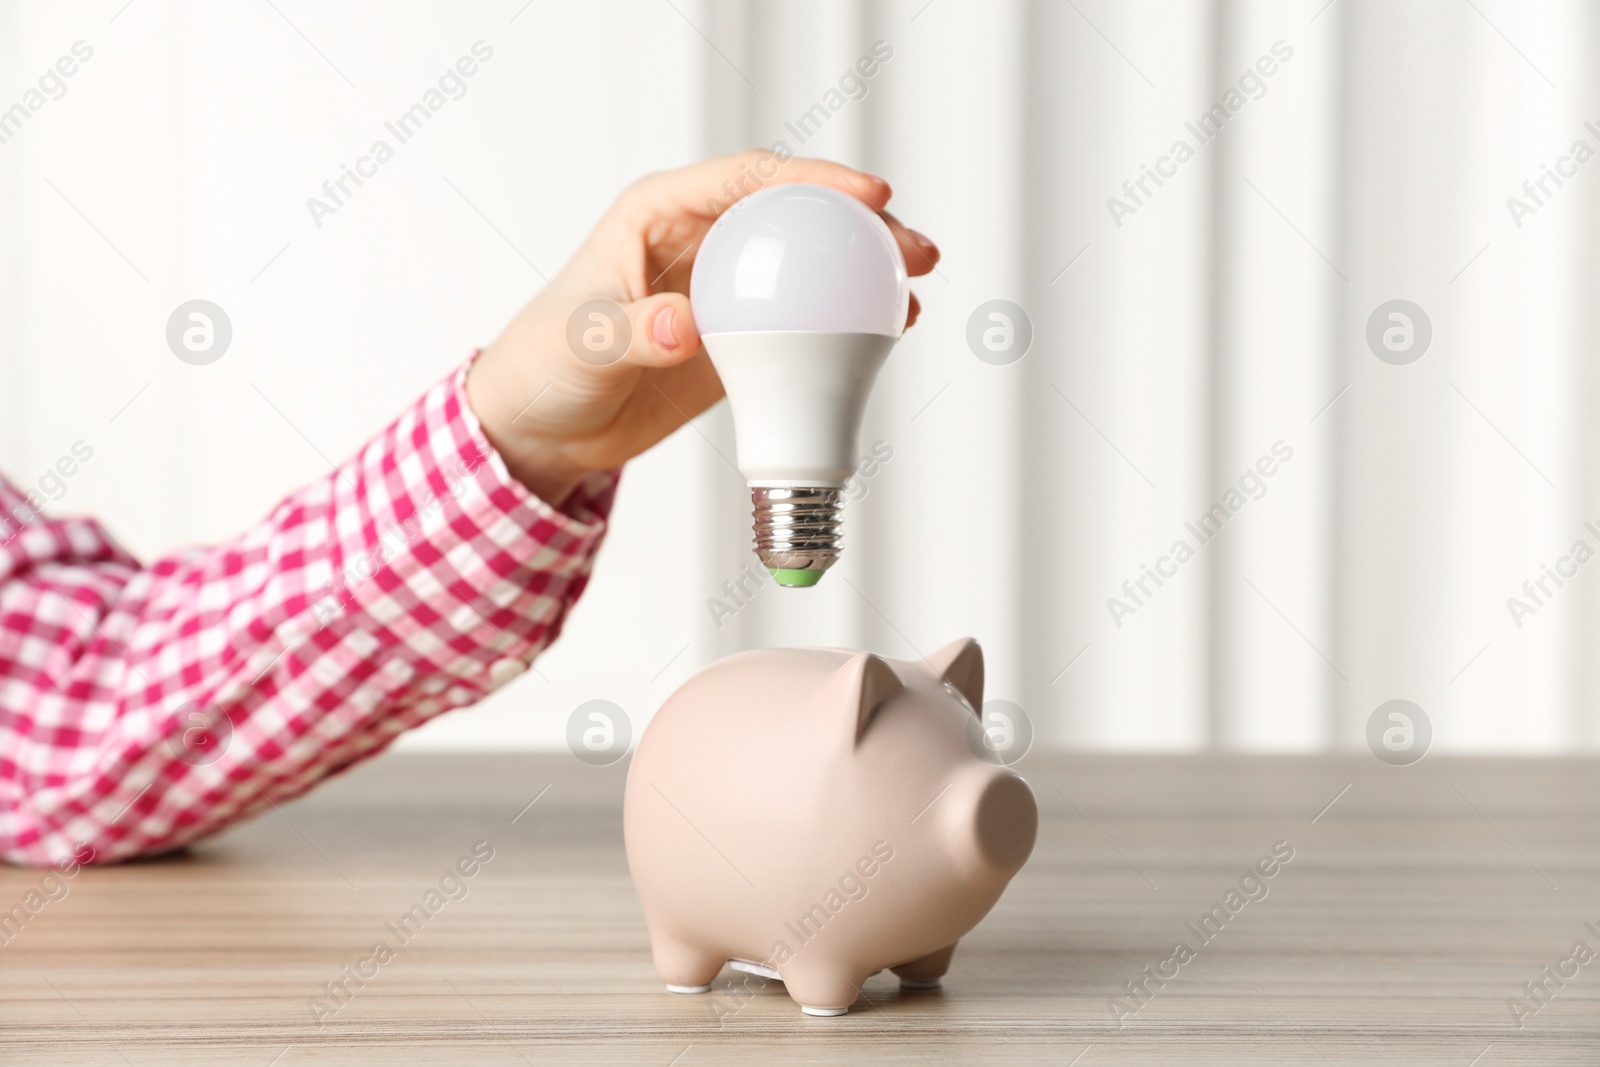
(450, 575)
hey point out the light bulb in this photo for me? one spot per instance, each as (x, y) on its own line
(799, 292)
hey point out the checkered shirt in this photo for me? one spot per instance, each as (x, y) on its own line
(143, 707)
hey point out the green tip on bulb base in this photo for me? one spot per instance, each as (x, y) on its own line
(794, 579)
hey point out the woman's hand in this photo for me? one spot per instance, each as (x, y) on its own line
(555, 417)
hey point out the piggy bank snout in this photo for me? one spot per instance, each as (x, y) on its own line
(1006, 821)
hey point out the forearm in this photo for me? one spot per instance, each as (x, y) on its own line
(174, 699)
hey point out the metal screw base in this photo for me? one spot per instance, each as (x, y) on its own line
(797, 529)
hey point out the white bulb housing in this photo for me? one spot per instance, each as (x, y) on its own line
(799, 292)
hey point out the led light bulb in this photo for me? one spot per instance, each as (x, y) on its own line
(799, 292)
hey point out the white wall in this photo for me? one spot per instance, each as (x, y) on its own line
(1219, 318)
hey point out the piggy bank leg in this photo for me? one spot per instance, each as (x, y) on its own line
(927, 972)
(822, 990)
(684, 968)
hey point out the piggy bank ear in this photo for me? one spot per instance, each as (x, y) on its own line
(961, 664)
(857, 690)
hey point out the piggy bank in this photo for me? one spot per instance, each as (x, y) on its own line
(817, 815)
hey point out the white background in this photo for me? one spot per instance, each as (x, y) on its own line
(1221, 317)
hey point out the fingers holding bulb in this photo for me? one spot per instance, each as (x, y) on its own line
(708, 188)
(921, 256)
(920, 253)
(674, 209)
(868, 188)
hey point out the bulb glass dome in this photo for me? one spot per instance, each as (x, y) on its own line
(800, 257)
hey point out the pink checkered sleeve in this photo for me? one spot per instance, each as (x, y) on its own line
(143, 707)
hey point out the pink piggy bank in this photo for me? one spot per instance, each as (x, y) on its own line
(817, 815)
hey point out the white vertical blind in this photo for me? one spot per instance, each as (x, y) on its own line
(1226, 312)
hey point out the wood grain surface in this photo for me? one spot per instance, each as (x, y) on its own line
(1413, 912)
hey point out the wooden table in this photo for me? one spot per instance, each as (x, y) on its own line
(1415, 907)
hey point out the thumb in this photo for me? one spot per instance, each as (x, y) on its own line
(664, 333)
